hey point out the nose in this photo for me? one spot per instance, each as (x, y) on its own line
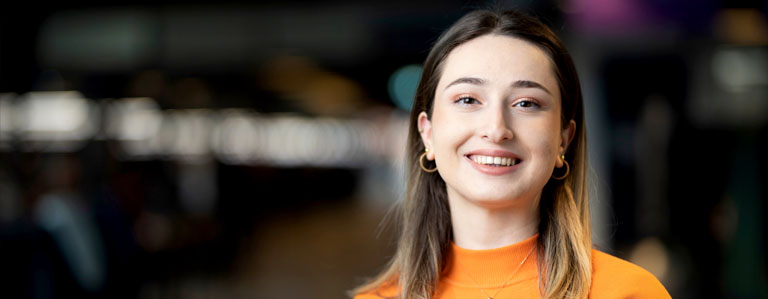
(496, 128)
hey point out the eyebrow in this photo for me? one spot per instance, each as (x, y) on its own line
(530, 84)
(518, 83)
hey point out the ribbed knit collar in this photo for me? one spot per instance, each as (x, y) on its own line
(491, 268)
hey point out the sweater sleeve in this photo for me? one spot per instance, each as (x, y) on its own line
(613, 277)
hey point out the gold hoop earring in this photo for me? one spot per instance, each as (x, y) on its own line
(567, 170)
(421, 162)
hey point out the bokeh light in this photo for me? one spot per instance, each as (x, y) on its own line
(402, 85)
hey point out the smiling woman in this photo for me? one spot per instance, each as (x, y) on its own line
(497, 205)
(494, 109)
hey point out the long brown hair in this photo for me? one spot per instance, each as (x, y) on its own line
(565, 240)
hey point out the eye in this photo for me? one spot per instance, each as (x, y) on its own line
(467, 101)
(526, 104)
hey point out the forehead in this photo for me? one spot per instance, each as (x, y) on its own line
(499, 59)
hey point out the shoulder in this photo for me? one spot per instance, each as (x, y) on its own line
(368, 296)
(613, 277)
(379, 293)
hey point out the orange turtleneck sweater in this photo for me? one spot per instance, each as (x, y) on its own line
(486, 273)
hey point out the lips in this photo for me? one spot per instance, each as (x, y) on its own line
(494, 162)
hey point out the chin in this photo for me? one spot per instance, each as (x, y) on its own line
(494, 200)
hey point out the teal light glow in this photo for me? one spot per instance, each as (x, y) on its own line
(402, 85)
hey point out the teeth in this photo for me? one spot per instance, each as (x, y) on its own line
(499, 161)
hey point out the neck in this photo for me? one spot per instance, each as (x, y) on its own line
(479, 227)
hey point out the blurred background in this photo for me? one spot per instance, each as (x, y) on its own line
(251, 149)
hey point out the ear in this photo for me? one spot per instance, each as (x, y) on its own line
(425, 130)
(566, 136)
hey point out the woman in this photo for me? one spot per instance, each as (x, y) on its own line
(497, 201)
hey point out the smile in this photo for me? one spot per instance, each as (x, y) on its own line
(494, 161)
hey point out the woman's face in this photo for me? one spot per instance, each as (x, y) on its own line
(495, 132)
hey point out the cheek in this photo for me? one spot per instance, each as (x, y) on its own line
(449, 136)
(542, 138)
(543, 147)
(449, 131)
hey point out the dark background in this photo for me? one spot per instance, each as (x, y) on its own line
(302, 140)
